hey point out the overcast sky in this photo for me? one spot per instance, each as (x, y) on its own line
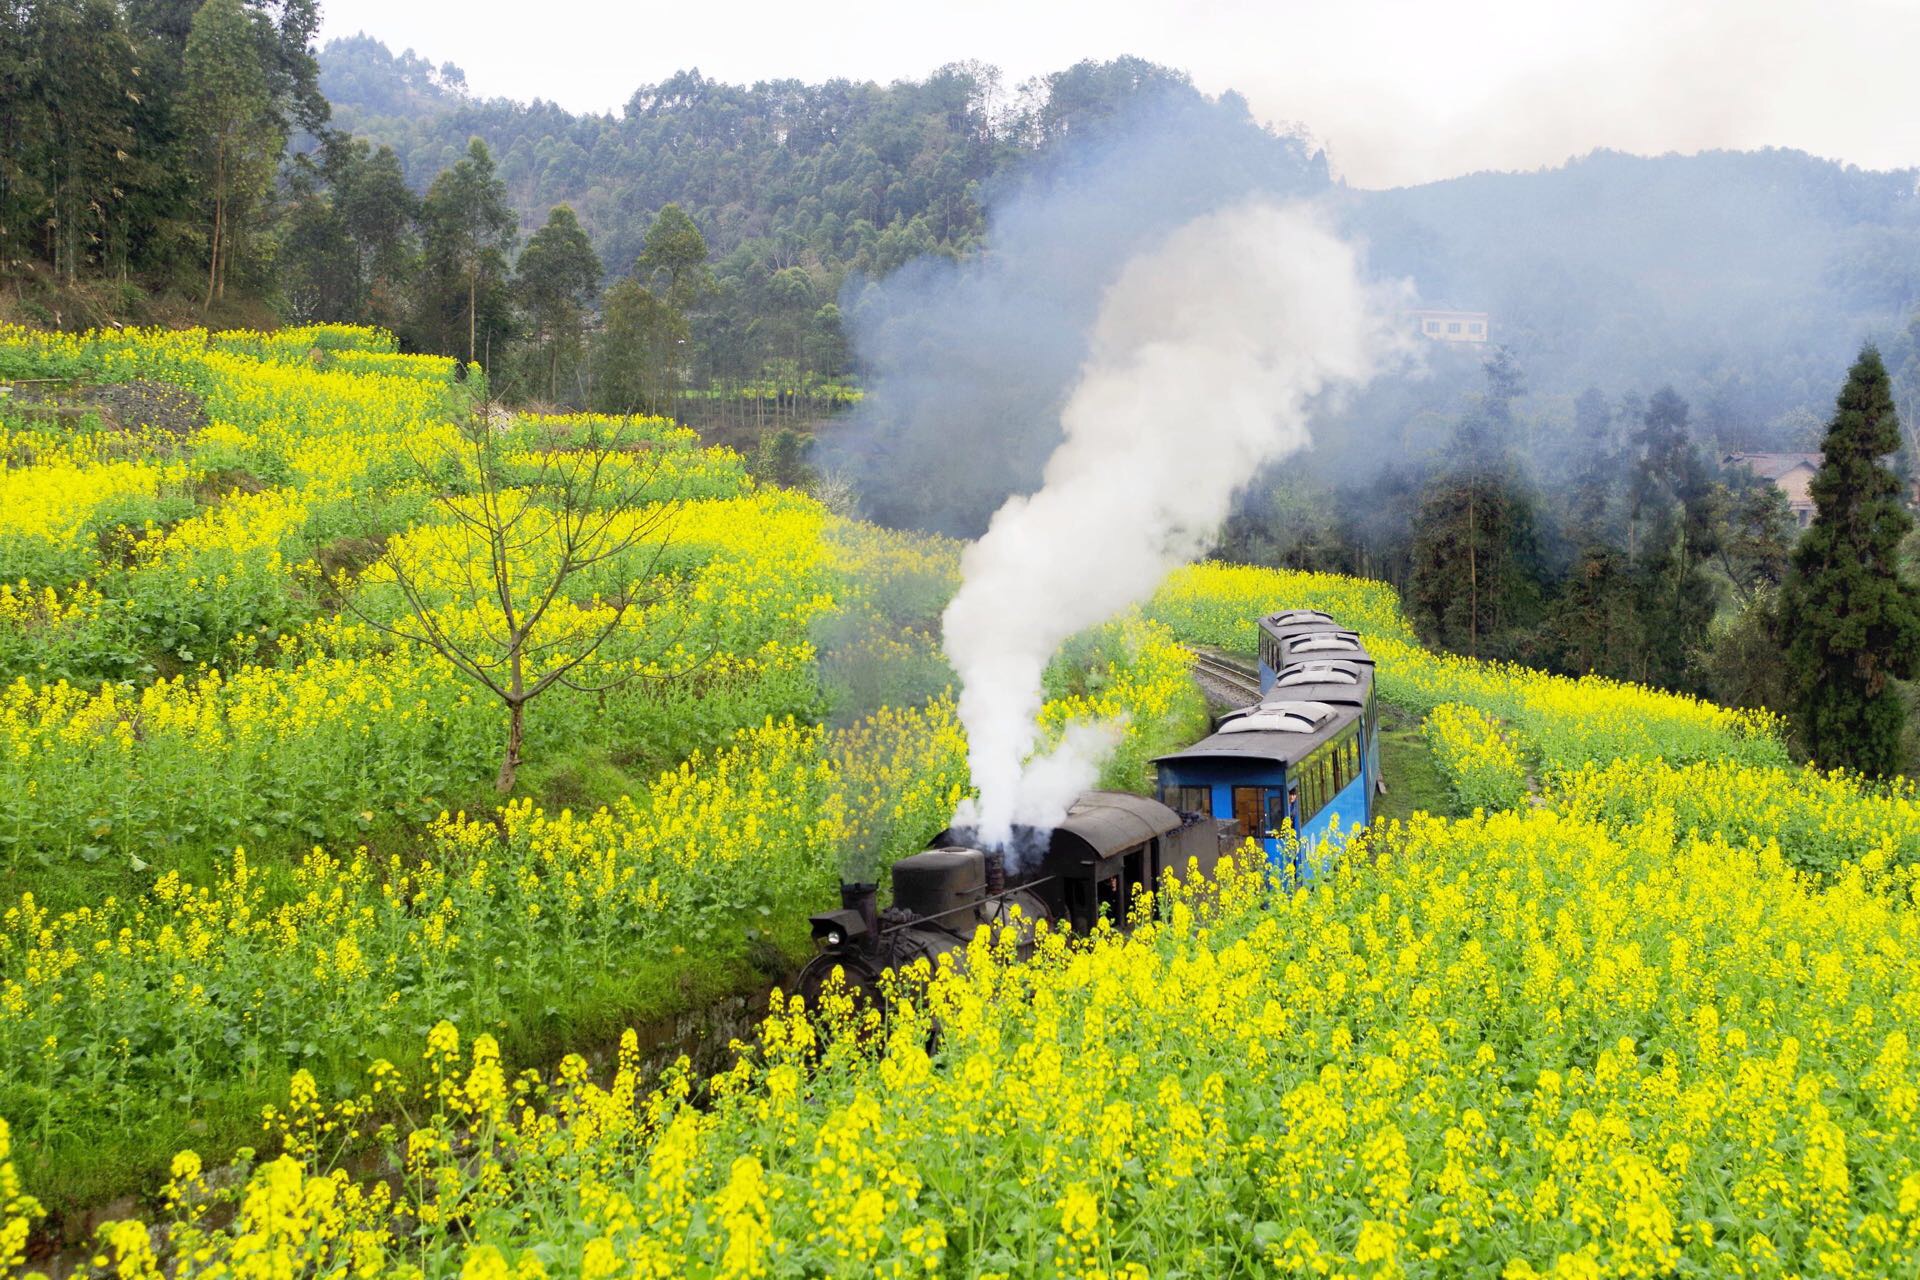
(1397, 90)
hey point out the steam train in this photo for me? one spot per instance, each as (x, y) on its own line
(1295, 773)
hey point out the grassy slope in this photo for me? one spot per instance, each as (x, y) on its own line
(648, 994)
(1414, 782)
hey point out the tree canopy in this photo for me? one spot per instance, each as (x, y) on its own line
(141, 138)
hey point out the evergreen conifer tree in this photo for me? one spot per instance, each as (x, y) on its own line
(1475, 579)
(1852, 624)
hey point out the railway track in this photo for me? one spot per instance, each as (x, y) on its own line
(1236, 680)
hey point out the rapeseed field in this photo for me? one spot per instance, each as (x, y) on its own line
(1648, 1011)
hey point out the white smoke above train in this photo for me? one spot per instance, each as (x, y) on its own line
(1209, 354)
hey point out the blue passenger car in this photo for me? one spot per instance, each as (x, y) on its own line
(1275, 627)
(1282, 768)
(1297, 771)
(1304, 635)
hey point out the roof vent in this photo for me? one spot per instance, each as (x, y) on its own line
(1318, 673)
(1298, 617)
(1279, 717)
(1325, 644)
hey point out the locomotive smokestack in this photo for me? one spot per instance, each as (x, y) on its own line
(861, 898)
(996, 873)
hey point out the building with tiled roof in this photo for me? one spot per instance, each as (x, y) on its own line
(1791, 473)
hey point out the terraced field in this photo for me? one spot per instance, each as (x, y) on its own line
(276, 953)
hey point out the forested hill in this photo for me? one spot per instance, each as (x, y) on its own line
(795, 187)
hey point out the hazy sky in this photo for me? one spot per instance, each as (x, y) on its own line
(1397, 90)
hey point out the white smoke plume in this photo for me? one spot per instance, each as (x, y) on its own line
(1208, 354)
(1049, 782)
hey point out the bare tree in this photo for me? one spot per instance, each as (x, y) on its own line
(546, 555)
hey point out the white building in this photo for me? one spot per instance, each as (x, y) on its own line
(1453, 326)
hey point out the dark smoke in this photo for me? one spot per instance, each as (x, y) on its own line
(1024, 848)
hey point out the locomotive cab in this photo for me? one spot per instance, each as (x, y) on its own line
(1112, 844)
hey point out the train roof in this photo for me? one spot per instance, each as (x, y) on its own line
(1107, 822)
(1341, 680)
(1294, 621)
(1338, 695)
(1278, 732)
(1322, 646)
(1288, 618)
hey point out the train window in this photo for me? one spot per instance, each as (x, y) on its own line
(1312, 795)
(1249, 812)
(1188, 799)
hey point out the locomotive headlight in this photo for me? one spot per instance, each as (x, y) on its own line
(838, 928)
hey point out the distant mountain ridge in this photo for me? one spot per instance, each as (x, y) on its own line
(803, 192)
(852, 173)
(1744, 278)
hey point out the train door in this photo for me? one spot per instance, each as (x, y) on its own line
(1138, 874)
(1110, 899)
(1250, 813)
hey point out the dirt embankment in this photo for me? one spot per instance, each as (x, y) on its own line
(35, 297)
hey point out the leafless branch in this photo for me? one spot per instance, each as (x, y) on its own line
(531, 514)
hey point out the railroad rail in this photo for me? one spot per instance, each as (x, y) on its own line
(1241, 682)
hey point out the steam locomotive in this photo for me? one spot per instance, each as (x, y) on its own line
(1294, 773)
(1092, 864)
